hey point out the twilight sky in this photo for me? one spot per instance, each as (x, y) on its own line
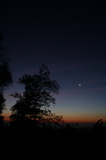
(68, 37)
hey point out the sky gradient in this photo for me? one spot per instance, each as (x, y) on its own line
(70, 38)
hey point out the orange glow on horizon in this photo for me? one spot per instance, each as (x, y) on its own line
(71, 120)
(6, 118)
(83, 119)
(78, 118)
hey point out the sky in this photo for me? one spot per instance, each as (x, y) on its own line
(68, 37)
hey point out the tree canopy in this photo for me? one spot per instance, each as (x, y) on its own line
(33, 105)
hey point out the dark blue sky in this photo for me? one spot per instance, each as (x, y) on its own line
(68, 37)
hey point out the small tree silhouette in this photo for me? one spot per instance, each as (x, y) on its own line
(99, 124)
(33, 104)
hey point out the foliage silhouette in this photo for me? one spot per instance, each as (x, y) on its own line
(2, 103)
(5, 75)
(99, 123)
(98, 127)
(33, 104)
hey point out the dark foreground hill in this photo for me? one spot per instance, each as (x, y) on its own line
(50, 143)
(60, 134)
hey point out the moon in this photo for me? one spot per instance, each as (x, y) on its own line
(79, 84)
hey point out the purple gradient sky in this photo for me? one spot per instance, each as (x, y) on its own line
(70, 38)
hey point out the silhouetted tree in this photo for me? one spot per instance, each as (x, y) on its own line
(33, 104)
(99, 125)
(5, 75)
(2, 104)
